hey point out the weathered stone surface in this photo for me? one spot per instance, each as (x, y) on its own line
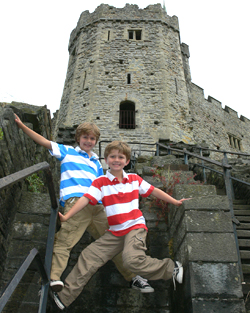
(218, 305)
(215, 280)
(209, 247)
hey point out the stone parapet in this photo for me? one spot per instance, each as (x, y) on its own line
(204, 241)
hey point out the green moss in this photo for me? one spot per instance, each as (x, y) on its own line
(1, 134)
(35, 183)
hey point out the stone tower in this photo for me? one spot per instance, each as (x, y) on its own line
(126, 73)
(129, 73)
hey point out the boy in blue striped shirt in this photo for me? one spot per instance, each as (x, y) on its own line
(79, 167)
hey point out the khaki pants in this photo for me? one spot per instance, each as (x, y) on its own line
(92, 218)
(105, 248)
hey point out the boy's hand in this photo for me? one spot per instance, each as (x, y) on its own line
(179, 202)
(17, 120)
(62, 217)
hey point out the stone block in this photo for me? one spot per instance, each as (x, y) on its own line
(192, 191)
(218, 305)
(211, 280)
(209, 204)
(208, 221)
(199, 222)
(37, 203)
(207, 247)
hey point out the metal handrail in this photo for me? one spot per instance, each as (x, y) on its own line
(44, 269)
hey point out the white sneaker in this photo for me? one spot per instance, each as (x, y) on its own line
(57, 300)
(141, 284)
(178, 273)
(56, 285)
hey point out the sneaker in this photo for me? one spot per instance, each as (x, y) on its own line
(57, 300)
(177, 273)
(141, 284)
(56, 285)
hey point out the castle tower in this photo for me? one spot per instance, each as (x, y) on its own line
(128, 73)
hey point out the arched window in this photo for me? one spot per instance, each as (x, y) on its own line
(127, 115)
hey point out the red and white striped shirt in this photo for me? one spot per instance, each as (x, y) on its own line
(121, 200)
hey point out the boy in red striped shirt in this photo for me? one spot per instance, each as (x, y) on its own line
(127, 231)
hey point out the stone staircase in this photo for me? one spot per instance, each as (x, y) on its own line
(242, 213)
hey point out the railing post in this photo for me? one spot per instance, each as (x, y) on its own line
(169, 151)
(157, 149)
(100, 150)
(185, 156)
(203, 168)
(229, 192)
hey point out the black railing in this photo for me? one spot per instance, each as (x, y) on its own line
(45, 268)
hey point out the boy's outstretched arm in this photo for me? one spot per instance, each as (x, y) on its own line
(158, 193)
(32, 134)
(78, 206)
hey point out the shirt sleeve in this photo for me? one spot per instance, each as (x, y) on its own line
(94, 193)
(145, 189)
(58, 151)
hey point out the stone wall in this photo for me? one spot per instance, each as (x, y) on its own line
(18, 152)
(213, 125)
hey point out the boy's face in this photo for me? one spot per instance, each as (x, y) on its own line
(87, 142)
(116, 160)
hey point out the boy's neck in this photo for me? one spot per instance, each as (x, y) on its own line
(117, 174)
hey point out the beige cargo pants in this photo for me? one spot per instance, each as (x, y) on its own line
(105, 248)
(92, 218)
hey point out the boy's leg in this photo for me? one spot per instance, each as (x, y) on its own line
(89, 261)
(67, 237)
(98, 228)
(135, 259)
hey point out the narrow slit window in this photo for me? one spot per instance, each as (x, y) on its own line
(84, 79)
(108, 35)
(128, 78)
(176, 86)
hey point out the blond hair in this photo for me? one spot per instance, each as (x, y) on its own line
(87, 128)
(121, 146)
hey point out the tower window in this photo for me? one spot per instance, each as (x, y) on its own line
(127, 115)
(129, 79)
(234, 142)
(108, 35)
(135, 34)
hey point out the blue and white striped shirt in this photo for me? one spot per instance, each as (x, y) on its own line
(77, 170)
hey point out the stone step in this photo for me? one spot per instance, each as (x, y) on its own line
(245, 254)
(239, 201)
(241, 207)
(243, 233)
(242, 212)
(244, 242)
(243, 218)
(246, 268)
(243, 226)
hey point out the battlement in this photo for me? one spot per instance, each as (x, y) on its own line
(130, 13)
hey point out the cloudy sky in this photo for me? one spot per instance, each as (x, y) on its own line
(34, 38)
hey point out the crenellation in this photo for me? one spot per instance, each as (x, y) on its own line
(231, 111)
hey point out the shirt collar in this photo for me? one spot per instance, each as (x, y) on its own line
(93, 154)
(111, 177)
